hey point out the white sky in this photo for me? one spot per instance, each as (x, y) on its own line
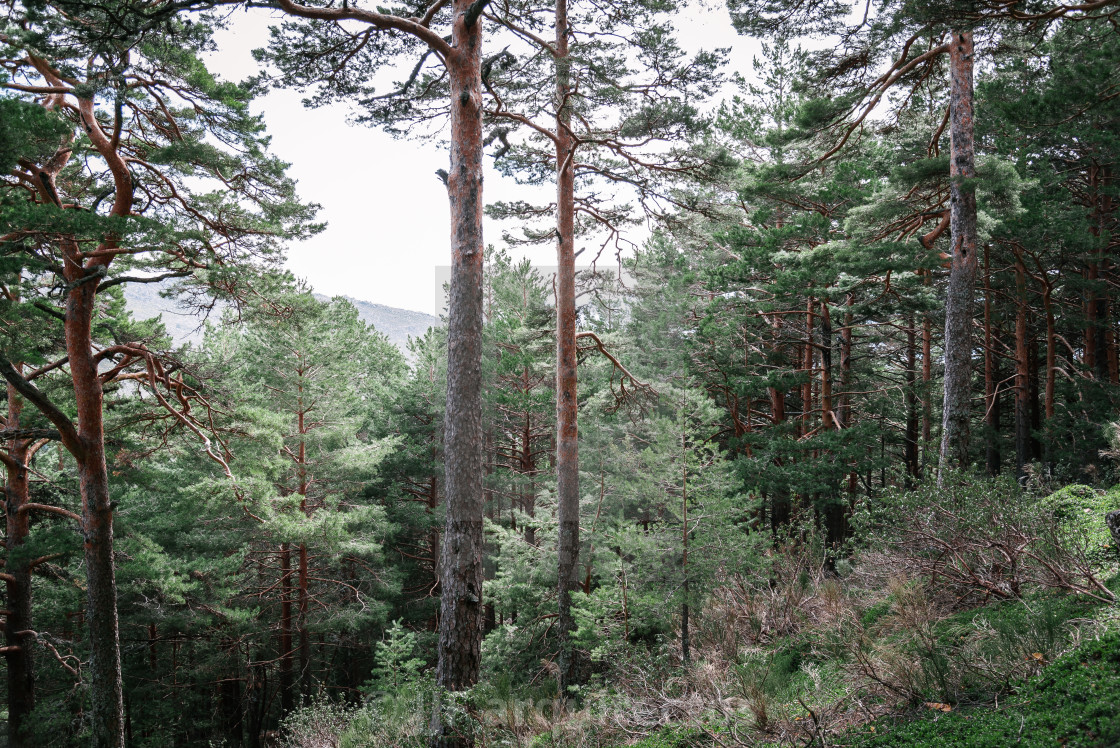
(386, 211)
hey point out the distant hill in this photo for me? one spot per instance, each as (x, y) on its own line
(396, 324)
(144, 302)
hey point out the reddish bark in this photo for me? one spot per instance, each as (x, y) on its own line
(460, 626)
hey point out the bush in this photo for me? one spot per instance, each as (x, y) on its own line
(1081, 511)
(976, 540)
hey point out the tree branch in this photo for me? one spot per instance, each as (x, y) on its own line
(51, 510)
(67, 433)
(30, 434)
(149, 279)
(382, 21)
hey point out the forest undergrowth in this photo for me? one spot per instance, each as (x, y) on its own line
(975, 615)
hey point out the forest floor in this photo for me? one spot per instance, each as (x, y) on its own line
(989, 618)
(975, 618)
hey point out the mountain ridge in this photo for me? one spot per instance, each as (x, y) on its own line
(185, 326)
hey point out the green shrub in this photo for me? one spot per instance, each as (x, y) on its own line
(1081, 511)
(1072, 704)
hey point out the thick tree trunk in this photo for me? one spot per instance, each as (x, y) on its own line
(964, 262)
(460, 625)
(567, 433)
(106, 692)
(17, 619)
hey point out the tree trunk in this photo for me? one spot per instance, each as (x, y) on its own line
(303, 599)
(964, 263)
(1034, 398)
(927, 385)
(846, 413)
(686, 655)
(1051, 348)
(567, 433)
(106, 692)
(913, 468)
(1093, 336)
(287, 690)
(17, 619)
(828, 416)
(230, 707)
(807, 367)
(991, 379)
(301, 626)
(780, 507)
(528, 469)
(1112, 354)
(1022, 369)
(460, 625)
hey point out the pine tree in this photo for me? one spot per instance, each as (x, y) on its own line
(113, 196)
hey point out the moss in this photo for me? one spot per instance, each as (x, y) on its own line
(1072, 704)
(1081, 510)
(872, 615)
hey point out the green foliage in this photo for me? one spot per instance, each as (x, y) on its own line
(1081, 510)
(1070, 703)
(396, 666)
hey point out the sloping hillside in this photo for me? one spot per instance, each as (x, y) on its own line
(398, 325)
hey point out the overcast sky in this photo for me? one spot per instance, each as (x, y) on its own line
(386, 211)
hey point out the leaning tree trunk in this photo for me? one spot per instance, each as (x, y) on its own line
(567, 434)
(460, 625)
(17, 618)
(964, 264)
